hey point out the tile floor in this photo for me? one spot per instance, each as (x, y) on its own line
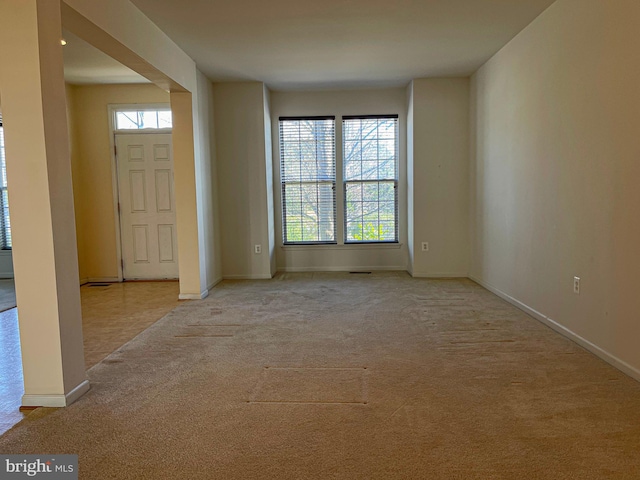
(10, 371)
(111, 316)
(7, 294)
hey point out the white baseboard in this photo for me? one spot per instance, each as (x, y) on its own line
(393, 268)
(56, 400)
(595, 349)
(564, 331)
(104, 280)
(260, 276)
(194, 296)
(439, 275)
(214, 283)
(84, 281)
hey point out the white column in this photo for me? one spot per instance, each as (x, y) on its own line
(45, 257)
(191, 254)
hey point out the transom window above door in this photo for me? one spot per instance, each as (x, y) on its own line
(131, 119)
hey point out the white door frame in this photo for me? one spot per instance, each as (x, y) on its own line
(113, 131)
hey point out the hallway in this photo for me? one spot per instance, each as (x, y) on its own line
(111, 316)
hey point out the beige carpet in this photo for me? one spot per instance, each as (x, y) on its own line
(338, 376)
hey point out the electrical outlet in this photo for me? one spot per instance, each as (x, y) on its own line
(425, 246)
(576, 285)
(258, 249)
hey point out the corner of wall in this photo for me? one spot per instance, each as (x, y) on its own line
(268, 149)
(215, 187)
(77, 180)
(473, 141)
(208, 179)
(410, 186)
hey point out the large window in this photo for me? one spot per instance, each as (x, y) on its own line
(370, 164)
(308, 179)
(5, 224)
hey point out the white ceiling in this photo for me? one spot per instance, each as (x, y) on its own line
(301, 44)
(86, 65)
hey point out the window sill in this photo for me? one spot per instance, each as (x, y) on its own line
(348, 246)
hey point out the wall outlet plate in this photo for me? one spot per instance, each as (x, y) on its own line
(258, 249)
(576, 285)
(425, 246)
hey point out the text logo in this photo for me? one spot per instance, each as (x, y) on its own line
(51, 467)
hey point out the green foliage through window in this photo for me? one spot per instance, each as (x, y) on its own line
(370, 179)
(308, 179)
(370, 165)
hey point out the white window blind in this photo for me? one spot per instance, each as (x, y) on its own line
(370, 153)
(308, 179)
(5, 224)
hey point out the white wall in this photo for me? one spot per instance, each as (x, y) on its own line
(243, 187)
(44, 253)
(338, 103)
(555, 173)
(207, 178)
(440, 173)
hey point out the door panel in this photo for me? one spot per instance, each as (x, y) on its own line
(138, 191)
(147, 206)
(140, 243)
(162, 152)
(164, 197)
(165, 242)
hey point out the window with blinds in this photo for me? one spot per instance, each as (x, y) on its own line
(308, 179)
(370, 165)
(5, 224)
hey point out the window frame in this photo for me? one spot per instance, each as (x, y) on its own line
(6, 241)
(115, 109)
(395, 180)
(284, 182)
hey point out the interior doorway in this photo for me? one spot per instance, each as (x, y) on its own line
(146, 196)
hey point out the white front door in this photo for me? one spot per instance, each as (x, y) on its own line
(147, 206)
